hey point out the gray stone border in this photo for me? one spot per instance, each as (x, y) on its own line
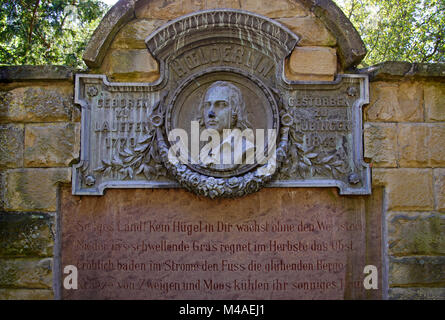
(351, 48)
(27, 73)
(395, 70)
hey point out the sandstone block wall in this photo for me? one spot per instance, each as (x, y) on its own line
(39, 140)
(404, 135)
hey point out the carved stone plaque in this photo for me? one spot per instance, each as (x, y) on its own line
(278, 243)
(243, 125)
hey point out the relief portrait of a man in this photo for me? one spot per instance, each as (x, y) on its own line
(223, 108)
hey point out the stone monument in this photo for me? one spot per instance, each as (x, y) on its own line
(207, 160)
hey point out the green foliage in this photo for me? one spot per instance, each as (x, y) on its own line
(36, 32)
(399, 30)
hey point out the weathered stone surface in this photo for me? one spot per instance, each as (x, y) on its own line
(436, 145)
(416, 294)
(26, 273)
(416, 234)
(421, 145)
(131, 65)
(435, 101)
(311, 31)
(26, 234)
(37, 104)
(383, 104)
(380, 140)
(311, 64)
(410, 97)
(395, 102)
(395, 70)
(133, 34)
(2, 189)
(214, 4)
(26, 294)
(439, 188)
(387, 70)
(413, 145)
(275, 9)
(11, 145)
(33, 189)
(51, 145)
(159, 9)
(25, 73)
(406, 189)
(416, 271)
(166, 10)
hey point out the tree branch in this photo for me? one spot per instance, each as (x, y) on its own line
(31, 26)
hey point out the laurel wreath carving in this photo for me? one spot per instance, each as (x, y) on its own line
(143, 158)
(308, 162)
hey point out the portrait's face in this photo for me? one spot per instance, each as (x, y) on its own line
(217, 109)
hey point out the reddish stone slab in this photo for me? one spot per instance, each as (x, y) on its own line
(279, 243)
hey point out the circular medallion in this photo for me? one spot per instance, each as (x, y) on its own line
(231, 122)
(224, 102)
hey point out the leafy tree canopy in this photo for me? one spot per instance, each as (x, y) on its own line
(57, 31)
(399, 30)
(47, 31)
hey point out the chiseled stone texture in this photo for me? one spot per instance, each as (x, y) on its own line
(311, 64)
(311, 31)
(37, 103)
(167, 10)
(133, 34)
(392, 101)
(26, 273)
(2, 189)
(435, 101)
(275, 9)
(11, 145)
(406, 189)
(34, 189)
(437, 145)
(380, 140)
(26, 234)
(55, 145)
(421, 270)
(439, 188)
(416, 234)
(421, 145)
(131, 65)
(160, 9)
(413, 144)
(26, 294)
(416, 294)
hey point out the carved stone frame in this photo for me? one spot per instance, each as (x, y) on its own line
(357, 182)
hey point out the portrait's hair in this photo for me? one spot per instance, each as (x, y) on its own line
(236, 102)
